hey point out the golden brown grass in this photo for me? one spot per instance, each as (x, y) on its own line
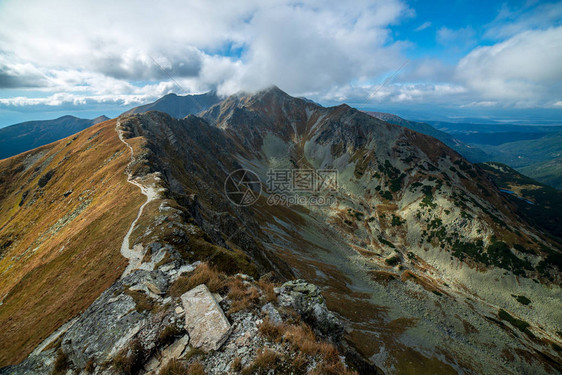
(243, 297)
(271, 331)
(267, 288)
(41, 290)
(203, 274)
(302, 339)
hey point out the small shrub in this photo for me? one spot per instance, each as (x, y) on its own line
(521, 325)
(522, 299)
(393, 260)
(396, 221)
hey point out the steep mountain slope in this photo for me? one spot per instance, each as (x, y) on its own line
(473, 154)
(25, 136)
(63, 210)
(179, 106)
(413, 216)
(426, 263)
(538, 203)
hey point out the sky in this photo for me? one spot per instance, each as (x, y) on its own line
(426, 60)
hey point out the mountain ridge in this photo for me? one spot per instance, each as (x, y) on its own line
(405, 254)
(178, 106)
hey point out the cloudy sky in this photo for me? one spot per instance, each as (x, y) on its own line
(436, 59)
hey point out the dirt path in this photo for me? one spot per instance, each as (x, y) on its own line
(135, 254)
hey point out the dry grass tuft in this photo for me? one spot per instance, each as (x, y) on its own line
(272, 331)
(266, 360)
(302, 337)
(196, 368)
(236, 365)
(61, 363)
(242, 296)
(90, 366)
(129, 360)
(267, 287)
(173, 367)
(169, 334)
(203, 274)
(332, 368)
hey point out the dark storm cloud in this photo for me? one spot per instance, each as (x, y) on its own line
(150, 68)
(9, 80)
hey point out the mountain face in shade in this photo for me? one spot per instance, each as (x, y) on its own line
(429, 267)
(473, 154)
(179, 106)
(25, 136)
(540, 204)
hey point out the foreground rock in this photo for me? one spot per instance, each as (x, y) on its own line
(205, 321)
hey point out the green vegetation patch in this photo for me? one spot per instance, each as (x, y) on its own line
(522, 299)
(521, 325)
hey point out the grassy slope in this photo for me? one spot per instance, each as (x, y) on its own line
(548, 172)
(52, 264)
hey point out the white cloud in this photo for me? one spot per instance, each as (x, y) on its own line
(510, 22)
(302, 46)
(458, 37)
(128, 52)
(524, 70)
(423, 26)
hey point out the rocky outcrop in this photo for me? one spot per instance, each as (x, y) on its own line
(205, 321)
(118, 316)
(307, 300)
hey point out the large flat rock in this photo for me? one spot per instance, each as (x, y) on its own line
(205, 321)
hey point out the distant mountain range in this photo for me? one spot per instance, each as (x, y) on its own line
(535, 151)
(25, 136)
(473, 154)
(179, 106)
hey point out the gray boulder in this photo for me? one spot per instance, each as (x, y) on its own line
(204, 319)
